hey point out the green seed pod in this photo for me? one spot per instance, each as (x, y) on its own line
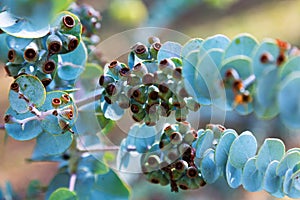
(153, 97)
(194, 185)
(160, 77)
(31, 52)
(184, 183)
(183, 147)
(172, 155)
(176, 138)
(177, 73)
(181, 166)
(183, 127)
(124, 72)
(139, 94)
(68, 22)
(140, 70)
(181, 114)
(141, 51)
(105, 80)
(178, 102)
(70, 42)
(54, 44)
(12, 69)
(115, 66)
(150, 120)
(168, 130)
(123, 101)
(199, 180)
(164, 180)
(148, 79)
(190, 137)
(155, 176)
(111, 89)
(133, 80)
(167, 66)
(153, 39)
(164, 109)
(15, 56)
(153, 161)
(154, 48)
(49, 66)
(191, 104)
(181, 91)
(165, 144)
(164, 92)
(192, 172)
(138, 117)
(136, 107)
(46, 79)
(177, 174)
(217, 129)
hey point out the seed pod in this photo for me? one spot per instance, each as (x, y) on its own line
(167, 66)
(140, 69)
(133, 80)
(148, 79)
(70, 42)
(266, 58)
(105, 80)
(123, 101)
(181, 114)
(181, 166)
(168, 130)
(153, 161)
(111, 89)
(164, 92)
(172, 155)
(67, 112)
(165, 144)
(141, 51)
(114, 67)
(192, 172)
(31, 52)
(65, 126)
(8, 119)
(177, 174)
(164, 109)
(176, 138)
(178, 102)
(124, 71)
(15, 56)
(153, 97)
(181, 91)
(49, 66)
(12, 69)
(139, 94)
(108, 100)
(159, 77)
(191, 104)
(46, 79)
(138, 117)
(15, 87)
(183, 147)
(136, 107)
(151, 119)
(190, 137)
(164, 180)
(154, 176)
(183, 127)
(184, 183)
(217, 129)
(54, 44)
(177, 73)
(199, 180)
(154, 48)
(65, 98)
(56, 102)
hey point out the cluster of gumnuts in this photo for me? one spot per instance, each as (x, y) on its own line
(150, 88)
(37, 56)
(171, 161)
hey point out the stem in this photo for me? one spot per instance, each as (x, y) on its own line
(72, 182)
(105, 148)
(248, 81)
(87, 100)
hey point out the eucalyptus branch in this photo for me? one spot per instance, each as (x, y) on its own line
(87, 100)
(72, 182)
(105, 148)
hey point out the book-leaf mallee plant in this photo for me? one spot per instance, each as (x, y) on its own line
(163, 81)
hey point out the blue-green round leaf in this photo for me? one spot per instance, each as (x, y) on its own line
(287, 181)
(215, 42)
(207, 77)
(252, 178)
(27, 131)
(4, 48)
(203, 142)
(32, 88)
(169, 50)
(17, 43)
(95, 165)
(288, 162)
(242, 44)
(141, 137)
(112, 111)
(189, 63)
(291, 66)
(242, 65)
(270, 48)
(243, 148)
(233, 175)
(191, 45)
(25, 27)
(272, 149)
(72, 64)
(223, 147)
(288, 101)
(60, 180)
(63, 194)
(209, 170)
(272, 183)
(265, 104)
(50, 144)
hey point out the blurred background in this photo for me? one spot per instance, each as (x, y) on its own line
(191, 18)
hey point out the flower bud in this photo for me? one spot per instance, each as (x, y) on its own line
(141, 51)
(31, 52)
(15, 56)
(54, 44)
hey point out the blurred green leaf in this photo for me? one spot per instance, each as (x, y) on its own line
(63, 194)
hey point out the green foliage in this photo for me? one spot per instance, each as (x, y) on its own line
(63, 194)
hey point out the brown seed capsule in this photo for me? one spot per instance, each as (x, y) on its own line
(7, 118)
(153, 95)
(135, 108)
(238, 85)
(148, 79)
(192, 172)
(163, 88)
(140, 49)
(111, 89)
(11, 55)
(176, 138)
(68, 21)
(266, 58)
(46, 81)
(56, 102)
(124, 72)
(156, 46)
(73, 43)
(49, 67)
(15, 87)
(65, 98)
(113, 64)
(280, 59)
(30, 54)
(177, 73)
